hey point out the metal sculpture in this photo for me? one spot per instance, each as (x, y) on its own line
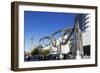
(56, 42)
(74, 36)
(59, 42)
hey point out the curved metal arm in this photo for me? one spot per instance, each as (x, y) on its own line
(45, 38)
(69, 32)
(54, 40)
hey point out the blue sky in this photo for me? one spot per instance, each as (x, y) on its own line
(40, 24)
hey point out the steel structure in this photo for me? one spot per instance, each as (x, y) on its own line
(74, 36)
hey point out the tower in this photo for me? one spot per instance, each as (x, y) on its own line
(31, 42)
